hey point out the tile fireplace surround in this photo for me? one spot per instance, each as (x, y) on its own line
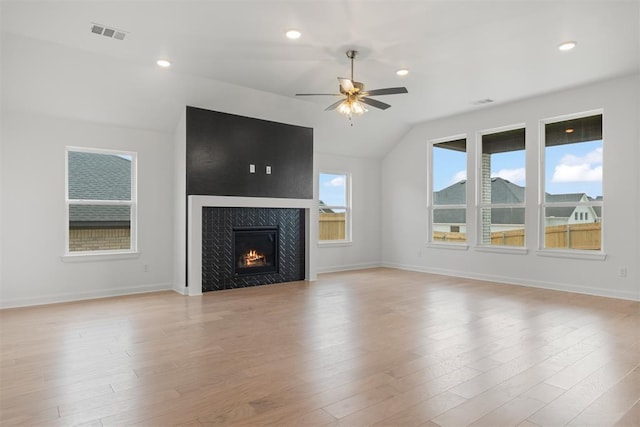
(194, 231)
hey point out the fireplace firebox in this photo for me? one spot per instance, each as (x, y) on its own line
(255, 250)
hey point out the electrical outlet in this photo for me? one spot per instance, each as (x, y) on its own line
(622, 272)
(252, 168)
(146, 268)
(268, 170)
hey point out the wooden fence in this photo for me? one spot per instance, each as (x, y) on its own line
(331, 226)
(574, 236)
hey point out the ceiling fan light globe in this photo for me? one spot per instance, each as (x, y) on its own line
(358, 108)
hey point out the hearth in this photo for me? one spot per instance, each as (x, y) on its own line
(255, 250)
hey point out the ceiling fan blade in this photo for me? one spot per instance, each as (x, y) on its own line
(345, 84)
(374, 103)
(334, 105)
(318, 94)
(386, 91)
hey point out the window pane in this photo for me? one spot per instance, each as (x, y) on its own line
(449, 225)
(333, 189)
(332, 224)
(573, 227)
(99, 227)
(503, 226)
(94, 176)
(502, 181)
(450, 172)
(573, 160)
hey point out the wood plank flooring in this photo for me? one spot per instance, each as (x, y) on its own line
(377, 347)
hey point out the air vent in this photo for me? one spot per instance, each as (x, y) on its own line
(107, 32)
(483, 101)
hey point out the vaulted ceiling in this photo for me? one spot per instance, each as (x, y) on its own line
(457, 52)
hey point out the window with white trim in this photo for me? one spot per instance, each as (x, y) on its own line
(334, 210)
(571, 194)
(100, 201)
(447, 200)
(502, 187)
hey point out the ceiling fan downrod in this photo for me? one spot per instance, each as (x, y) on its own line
(351, 54)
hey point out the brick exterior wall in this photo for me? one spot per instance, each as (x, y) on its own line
(99, 239)
(486, 198)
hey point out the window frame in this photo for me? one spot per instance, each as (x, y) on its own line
(543, 204)
(132, 203)
(480, 205)
(348, 239)
(432, 207)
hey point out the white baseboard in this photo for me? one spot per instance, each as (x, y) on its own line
(564, 287)
(78, 296)
(338, 268)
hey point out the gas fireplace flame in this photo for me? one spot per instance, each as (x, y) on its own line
(254, 258)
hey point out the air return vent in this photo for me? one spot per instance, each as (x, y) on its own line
(107, 32)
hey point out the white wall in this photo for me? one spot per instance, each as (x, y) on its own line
(404, 189)
(33, 212)
(364, 251)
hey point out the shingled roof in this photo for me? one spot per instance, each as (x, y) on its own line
(502, 191)
(96, 176)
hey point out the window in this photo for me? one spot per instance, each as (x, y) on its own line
(334, 193)
(502, 188)
(101, 201)
(572, 177)
(448, 191)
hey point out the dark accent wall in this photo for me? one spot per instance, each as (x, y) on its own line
(221, 146)
(217, 250)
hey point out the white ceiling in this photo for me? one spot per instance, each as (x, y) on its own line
(457, 52)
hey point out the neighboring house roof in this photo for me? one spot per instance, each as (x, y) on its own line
(323, 209)
(502, 191)
(95, 176)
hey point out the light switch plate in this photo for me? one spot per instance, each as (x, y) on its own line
(252, 168)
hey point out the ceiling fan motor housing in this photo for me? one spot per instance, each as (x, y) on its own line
(357, 88)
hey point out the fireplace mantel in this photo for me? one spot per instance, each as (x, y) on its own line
(194, 231)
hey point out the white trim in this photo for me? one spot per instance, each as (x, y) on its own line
(133, 204)
(85, 295)
(498, 249)
(334, 243)
(542, 202)
(194, 231)
(430, 206)
(96, 256)
(572, 254)
(348, 209)
(480, 185)
(563, 287)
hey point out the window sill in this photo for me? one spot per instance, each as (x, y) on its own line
(99, 256)
(450, 246)
(572, 254)
(337, 243)
(512, 250)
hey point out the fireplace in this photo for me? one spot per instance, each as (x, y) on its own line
(255, 250)
(250, 246)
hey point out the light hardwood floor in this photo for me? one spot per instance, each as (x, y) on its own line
(370, 347)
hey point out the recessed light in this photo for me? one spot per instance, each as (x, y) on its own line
(402, 72)
(566, 45)
(164, 63)
(569, 130)
(293, 34)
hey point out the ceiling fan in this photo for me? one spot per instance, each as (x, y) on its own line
(354, 96)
